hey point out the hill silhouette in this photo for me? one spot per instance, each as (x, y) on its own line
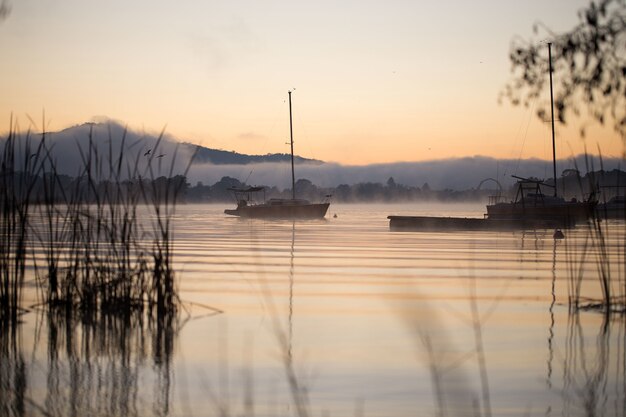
(221, 157)
(68, 147)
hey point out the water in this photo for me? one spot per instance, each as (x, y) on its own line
(341, 317)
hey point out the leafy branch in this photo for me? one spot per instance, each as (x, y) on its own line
(589, 63)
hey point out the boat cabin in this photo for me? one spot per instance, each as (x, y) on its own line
(529, 192)
(248, 195)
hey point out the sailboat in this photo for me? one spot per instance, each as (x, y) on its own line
(531, 204)
(277, 208)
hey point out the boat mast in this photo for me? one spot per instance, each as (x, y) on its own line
(551, 116)
(293, 175)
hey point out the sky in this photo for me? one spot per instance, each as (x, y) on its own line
(373, 81)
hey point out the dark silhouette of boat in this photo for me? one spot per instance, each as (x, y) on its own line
(531, 208)
(614, 208)
(274, 208)
(532, 204)
(277, 208)
(438, 224)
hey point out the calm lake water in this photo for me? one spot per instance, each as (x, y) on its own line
(348, 318)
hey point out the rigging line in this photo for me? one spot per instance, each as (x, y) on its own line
(315, 168)
(285, 168)
(525, 136)
(248, 177)
(305, 134)
(547, 149)
(278, 114)
(265, 138)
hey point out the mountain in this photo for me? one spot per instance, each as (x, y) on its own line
(70, 146)
(220, 157)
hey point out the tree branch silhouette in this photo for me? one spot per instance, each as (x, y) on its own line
(589, 64)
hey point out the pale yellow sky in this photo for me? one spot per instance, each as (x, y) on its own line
(375, 81)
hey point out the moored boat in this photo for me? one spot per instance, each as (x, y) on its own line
(277, 208)
(531, 208)
(438, 224)
(614, 208)
(274, 208)
(532, 204)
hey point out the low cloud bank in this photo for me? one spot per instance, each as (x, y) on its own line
(457, 174)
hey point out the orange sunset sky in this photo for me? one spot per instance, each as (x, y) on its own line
(376, 81)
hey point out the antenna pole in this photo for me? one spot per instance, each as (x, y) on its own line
(552, 116)
(293, 175)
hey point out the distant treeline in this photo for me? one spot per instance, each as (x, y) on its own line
(87, 190)
(570, 184)
(361, 192)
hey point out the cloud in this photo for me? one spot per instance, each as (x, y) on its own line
(458, 173)
(251, 136)
(224, 46)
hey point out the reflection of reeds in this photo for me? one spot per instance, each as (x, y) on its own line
(13, 376)
(593, 369)
(94, 367)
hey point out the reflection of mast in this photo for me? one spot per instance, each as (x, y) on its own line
(298, 391)
(293, 238)
(551, 310)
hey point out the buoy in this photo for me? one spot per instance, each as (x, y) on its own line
(558, 234)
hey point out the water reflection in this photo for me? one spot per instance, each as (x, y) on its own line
(551, 311)
(592, 358)
(94, 365)
(13, 379)
(338, 341)
(290, 319)
(594, 372)
(296, 384)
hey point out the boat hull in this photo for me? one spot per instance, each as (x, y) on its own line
(438, 224)
(565, 214)
(262, 211)
(613, 209)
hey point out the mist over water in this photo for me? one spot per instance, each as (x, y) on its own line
(456, 174)
(369, 322)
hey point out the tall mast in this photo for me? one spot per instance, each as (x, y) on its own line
(293, 175)
(551, 116)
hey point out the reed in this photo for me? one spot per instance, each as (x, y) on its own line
(162, 194)
(86, 232)
(92, 249)
(602, 239)
(18, 173)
